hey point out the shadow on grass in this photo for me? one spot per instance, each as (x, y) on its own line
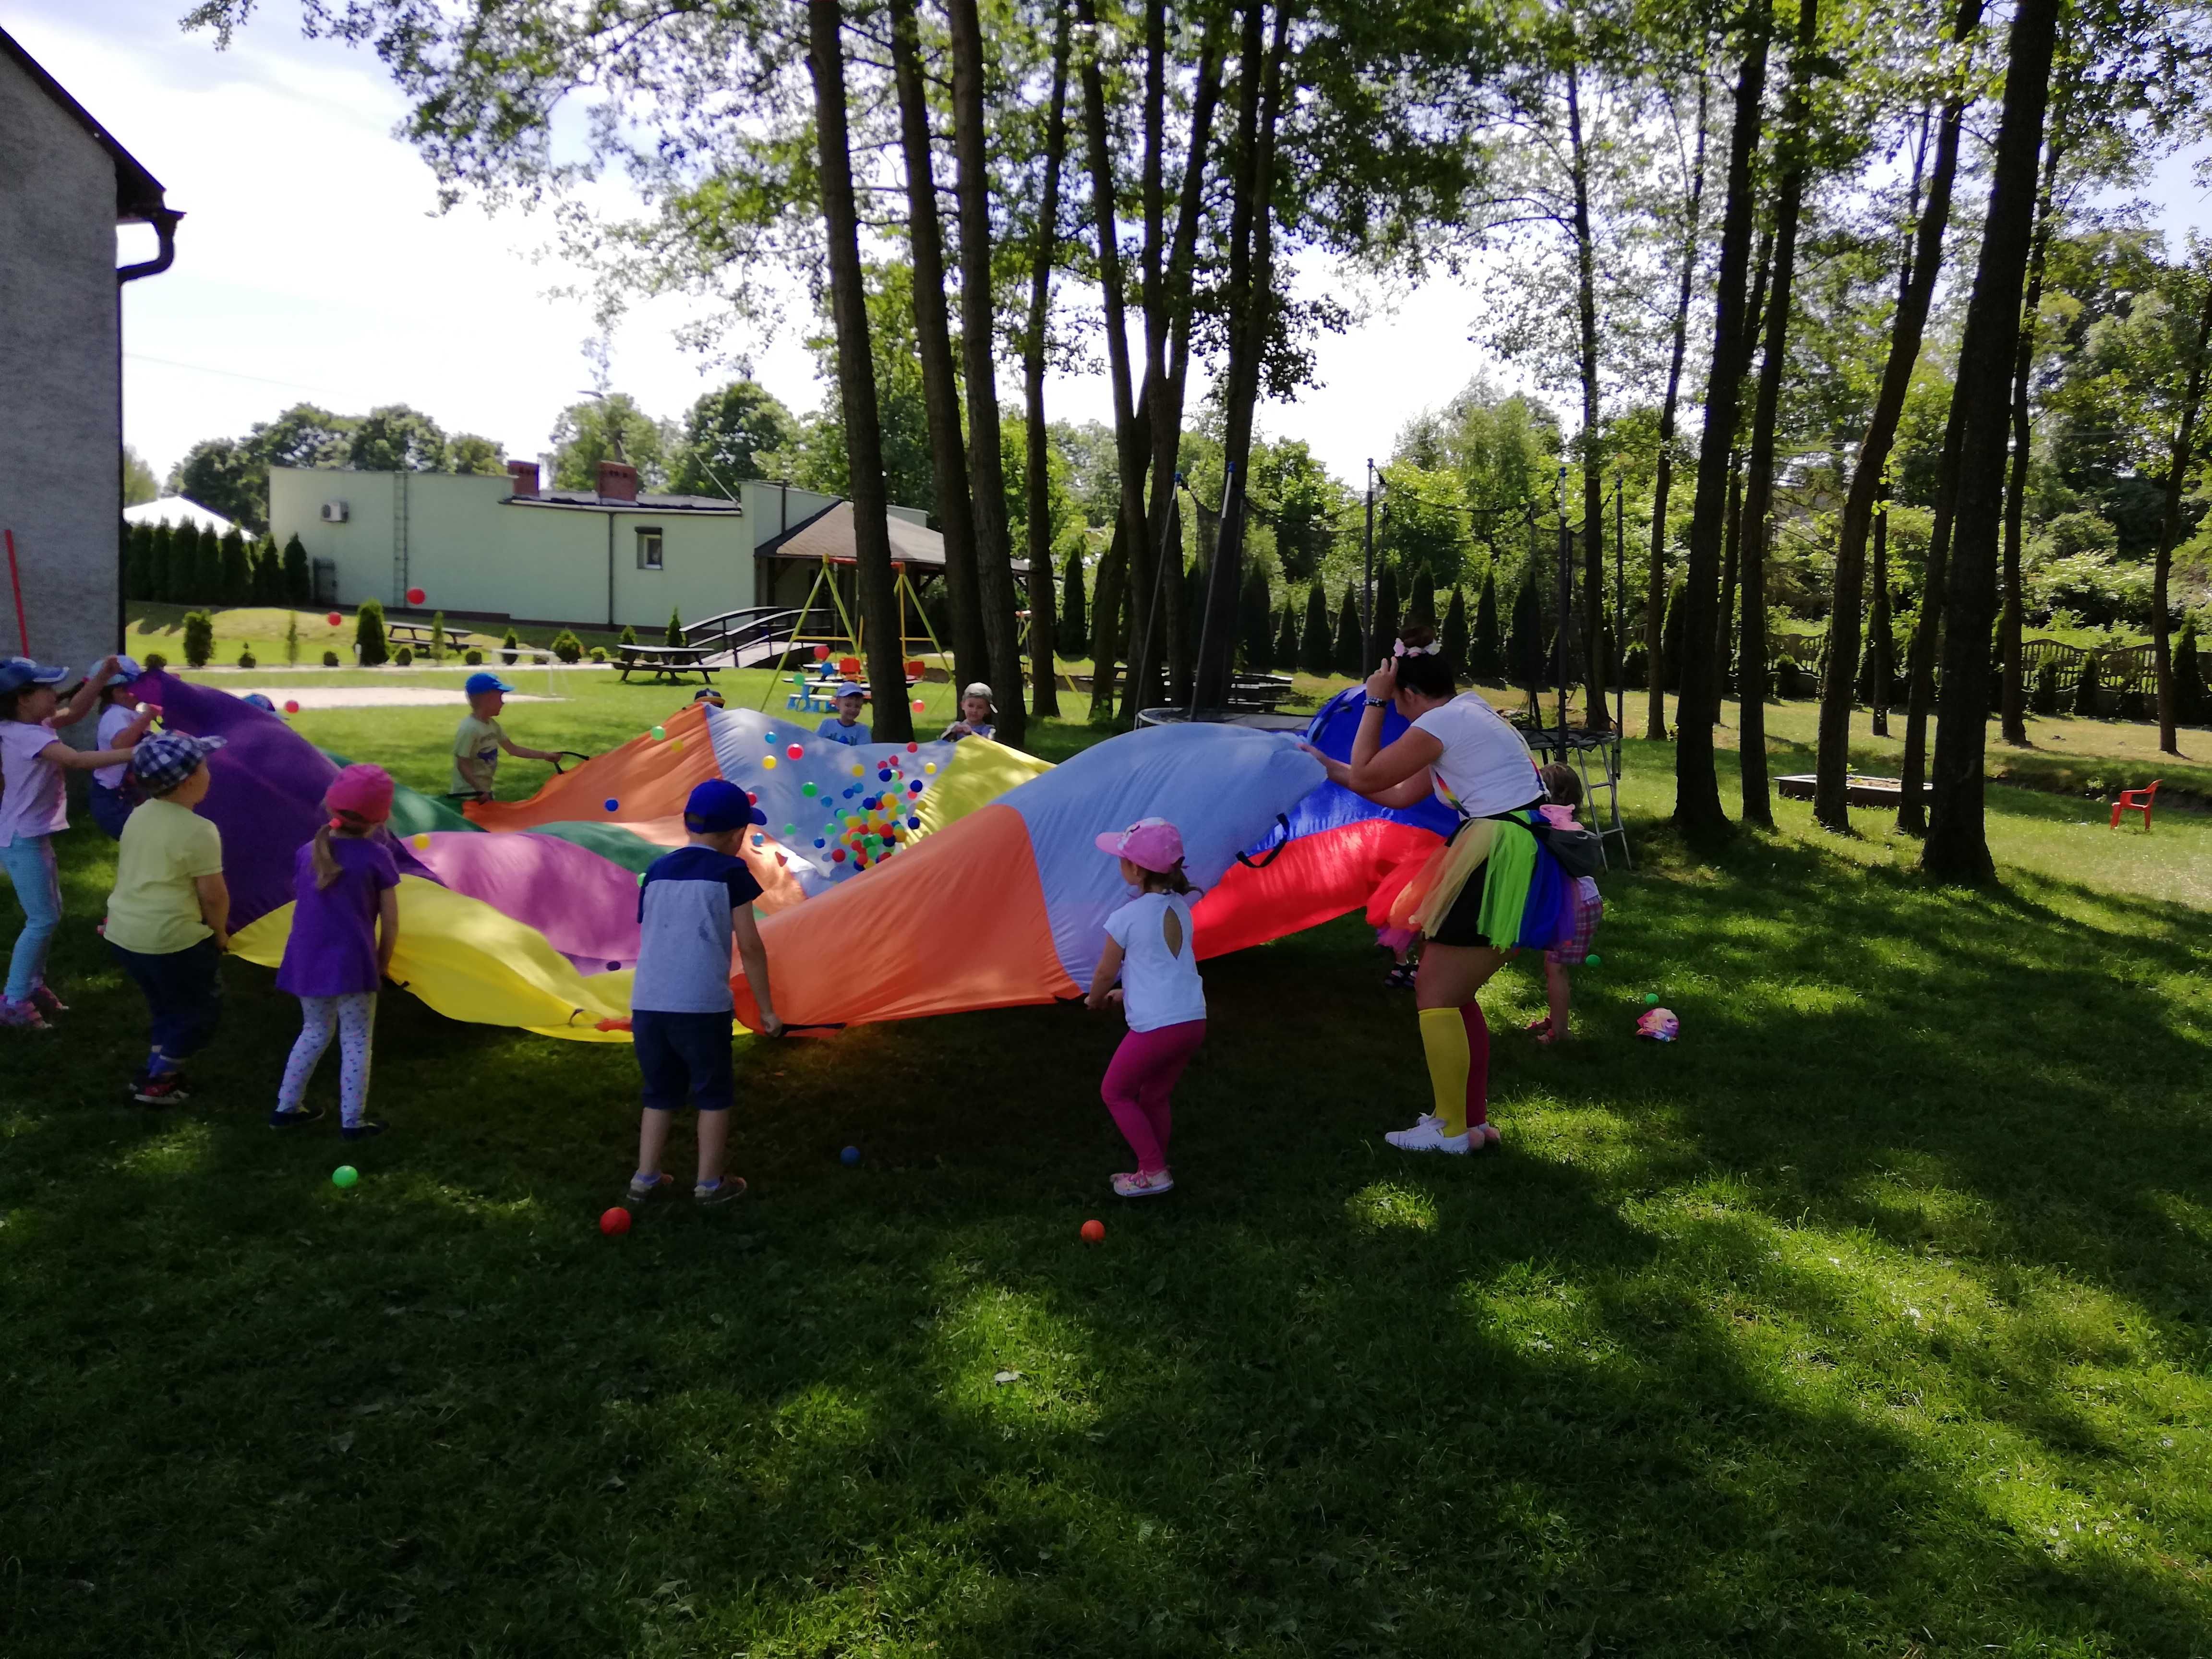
(1855, 1321)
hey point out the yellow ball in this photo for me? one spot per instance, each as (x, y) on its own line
(675, 744)
(929, 765)
(768, 764)
(422, 843)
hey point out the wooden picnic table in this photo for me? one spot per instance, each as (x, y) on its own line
(1266, 692)
(668, 662)
(414, 633)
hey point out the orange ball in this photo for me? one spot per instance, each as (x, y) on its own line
(1093, 1231)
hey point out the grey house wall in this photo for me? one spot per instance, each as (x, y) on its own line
(59, 345)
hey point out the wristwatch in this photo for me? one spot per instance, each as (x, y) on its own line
(1378, 702)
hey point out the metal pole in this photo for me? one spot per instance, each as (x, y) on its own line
(1152, 622)
(1620, 610)
(1565, 607)
(1367, 579)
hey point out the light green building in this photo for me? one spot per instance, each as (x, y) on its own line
(502, 548)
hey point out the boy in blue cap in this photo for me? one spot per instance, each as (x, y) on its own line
(844, 726)
(479, 739)
(695, 905)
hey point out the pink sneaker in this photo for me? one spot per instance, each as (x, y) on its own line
(43, 998)
(22, 1016)
(1144, 1184)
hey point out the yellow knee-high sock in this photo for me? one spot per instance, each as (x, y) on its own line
(1444, 1039)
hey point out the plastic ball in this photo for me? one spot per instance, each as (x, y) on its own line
(930, 766)
(797, 751)
(422, 843)
(790, 828)
(849, 1157)
(913, 824)
(760, 840)
(752, 798)
(818, 842)
(1594, 960)
(914, 787)
(913, 749)
(658, 733)
(675, 744)
(1651, 999)
(822, 653)
(415, 595)
(291, 705)
(858, 770)
(615, 1222)
(1093, 1231)
(612, 805)
(808, 790)
(918, 705)
(768, 763)
(770, 737)
(838, 857)
(334, 619)
(883, 774)
(345, 1176)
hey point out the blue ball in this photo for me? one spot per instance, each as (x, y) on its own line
(818, 842)
(884, 773)
(913, 824)
(612, 804)
(850, 1156)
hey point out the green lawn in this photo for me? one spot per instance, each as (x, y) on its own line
(1871, 1318)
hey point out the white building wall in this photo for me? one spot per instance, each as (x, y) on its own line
(60, 489)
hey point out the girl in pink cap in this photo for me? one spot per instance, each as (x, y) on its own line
(345, 922)
(1151, 947)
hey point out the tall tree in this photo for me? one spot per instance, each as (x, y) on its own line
(1697, 785)
(1044, 679)
(2180, 460)
(948, 452)
(1655, 591)
(728, 437)
(1935, 599)
(2012, 703)
(856, 375)
(1957, 847)
(986, 468)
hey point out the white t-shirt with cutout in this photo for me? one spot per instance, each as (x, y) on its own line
(1159, 987)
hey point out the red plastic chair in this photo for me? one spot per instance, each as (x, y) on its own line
(2136, 800)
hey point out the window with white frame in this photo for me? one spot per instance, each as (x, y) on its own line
(648, 550)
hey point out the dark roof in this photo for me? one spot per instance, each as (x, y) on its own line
(137, 192)
(588, 498)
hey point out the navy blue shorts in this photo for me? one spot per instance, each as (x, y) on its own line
(686, 1058)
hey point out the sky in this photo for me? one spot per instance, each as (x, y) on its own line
(313, 265)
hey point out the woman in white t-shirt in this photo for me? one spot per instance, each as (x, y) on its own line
(1152, 947)
(1491, 889)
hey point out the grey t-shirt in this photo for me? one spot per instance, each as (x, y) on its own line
(684, 933)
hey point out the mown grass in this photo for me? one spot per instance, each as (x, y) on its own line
(1871, 1317)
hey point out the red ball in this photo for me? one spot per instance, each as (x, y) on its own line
(822, 653)
(334, 619)
(414, 596)
(797, 751)
(615, 1221)
(291, 705)
(919, 706)
(913, 749)
(1093, 1231)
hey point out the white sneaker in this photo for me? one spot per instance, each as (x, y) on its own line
(1427, 1136)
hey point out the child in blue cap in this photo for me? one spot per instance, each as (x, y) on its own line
(695, 905)
(32, 812)
(479, 739)
(844, 726)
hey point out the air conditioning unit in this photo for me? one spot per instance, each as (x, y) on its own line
(334, 512)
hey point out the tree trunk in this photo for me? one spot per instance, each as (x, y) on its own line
(856, 377)
(1697, 788)
(978, 340)
(1832, 763)
(1251, 301)
(2013, 704)
(1731, 542)
(1935, 593)
(1782, 272)
(1957, 849)
(1044, 687)
(1655, 591)
(1594, 710)
(1878, 646)
(940, 385)
(1110, 629)
(2179, 458)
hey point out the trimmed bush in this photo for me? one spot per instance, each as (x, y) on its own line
(2136, 705)
(629, 634)
(1456, 639)
(291, 636)
(200, 638)
(299, 582)
(1072, 637)
(403, 657)
(1351, 650)
(2191, 706)
(1634, 669)
(1313, 646)
(156, 662)
(675, 629)
(246, 660)
(368, 635)
(598, 654)
(1286, 639)
(508, 646)
(567, 646)
(472, 657)
(2043, 691)
(1485, 646)
(330, 659)
(2088, 688)
(437, 636)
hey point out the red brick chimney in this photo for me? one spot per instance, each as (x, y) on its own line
(523, 476)
(617, 481)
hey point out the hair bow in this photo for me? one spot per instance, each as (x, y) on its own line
(1400, 648)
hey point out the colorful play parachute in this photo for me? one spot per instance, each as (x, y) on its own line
(967, 877)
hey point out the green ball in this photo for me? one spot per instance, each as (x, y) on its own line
(1594, 960)
(345, 1176)
(659, 732)
(1651, 999)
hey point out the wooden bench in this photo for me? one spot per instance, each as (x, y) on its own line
(666, 662)
(421, 634)
(1263, 692)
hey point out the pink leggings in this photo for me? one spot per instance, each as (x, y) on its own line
(1139, 1082)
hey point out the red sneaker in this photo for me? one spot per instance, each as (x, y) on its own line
(167, 1089)
(22, 1016)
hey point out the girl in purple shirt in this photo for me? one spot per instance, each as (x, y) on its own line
(345, 922)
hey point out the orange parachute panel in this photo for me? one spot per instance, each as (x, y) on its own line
(646, 778)
(957, 921)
